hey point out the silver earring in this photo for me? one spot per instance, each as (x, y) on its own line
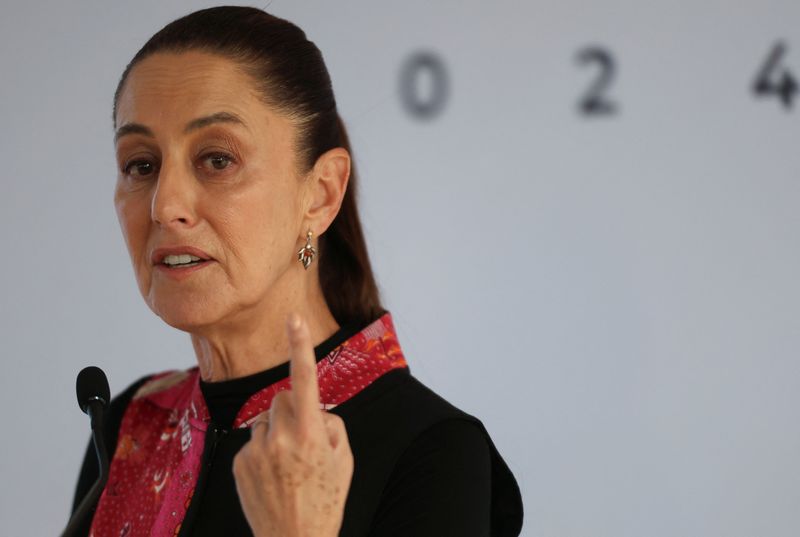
(306, 254)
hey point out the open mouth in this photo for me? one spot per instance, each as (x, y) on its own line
(180, 261)
(183, 260)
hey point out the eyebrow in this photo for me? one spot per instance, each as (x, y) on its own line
(199, 123)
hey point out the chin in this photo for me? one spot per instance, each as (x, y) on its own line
(188, 316)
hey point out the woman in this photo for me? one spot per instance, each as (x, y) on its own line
(236, 198)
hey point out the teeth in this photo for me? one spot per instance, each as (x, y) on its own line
(180, 259)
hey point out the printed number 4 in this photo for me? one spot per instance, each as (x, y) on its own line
(774, 80)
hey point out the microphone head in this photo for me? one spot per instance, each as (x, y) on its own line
(92, 384)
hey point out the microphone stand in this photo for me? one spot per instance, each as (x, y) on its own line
(94, 408)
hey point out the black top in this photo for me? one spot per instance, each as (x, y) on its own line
(422, 467)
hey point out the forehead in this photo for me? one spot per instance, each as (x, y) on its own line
(175, 88)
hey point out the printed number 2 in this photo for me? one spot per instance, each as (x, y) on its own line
(765, 85)
(595, 102)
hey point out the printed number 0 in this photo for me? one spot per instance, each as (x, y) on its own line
(417, 65)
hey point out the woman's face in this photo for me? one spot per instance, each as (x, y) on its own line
(204, 163)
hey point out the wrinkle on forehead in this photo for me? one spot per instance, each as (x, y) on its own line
(184, 86)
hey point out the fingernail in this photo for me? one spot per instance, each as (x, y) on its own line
(294, 321)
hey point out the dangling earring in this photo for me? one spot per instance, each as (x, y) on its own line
(306, 254)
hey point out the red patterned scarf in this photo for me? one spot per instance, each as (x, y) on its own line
(160, 444)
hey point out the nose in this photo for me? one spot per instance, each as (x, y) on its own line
(173, 203)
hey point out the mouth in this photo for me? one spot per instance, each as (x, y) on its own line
(180, 261)
(184, 260)
(180, 271)
(179, 256)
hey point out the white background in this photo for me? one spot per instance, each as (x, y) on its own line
(616, 298)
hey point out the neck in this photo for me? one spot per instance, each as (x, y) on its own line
(256, 340)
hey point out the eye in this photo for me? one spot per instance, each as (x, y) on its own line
(139, 168)
(217, 161)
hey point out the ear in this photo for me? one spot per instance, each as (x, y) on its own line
(325, 189)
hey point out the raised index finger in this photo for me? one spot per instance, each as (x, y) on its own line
(303, 371)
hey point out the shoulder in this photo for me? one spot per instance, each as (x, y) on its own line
(454, 452)
(433, 425)
(120, 401)
(454, 434)
(408, 439)
(400, 408)
(149, 384)
(457, 446)
(398, 395)
(163, 381)
(440, 485)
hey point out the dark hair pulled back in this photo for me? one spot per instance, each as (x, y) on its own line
(291, 77)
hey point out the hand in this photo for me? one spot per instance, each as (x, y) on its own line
(294, 473)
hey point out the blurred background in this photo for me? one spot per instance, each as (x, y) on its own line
(583, 217)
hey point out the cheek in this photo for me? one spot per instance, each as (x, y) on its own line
(261, 231)
(133, 220)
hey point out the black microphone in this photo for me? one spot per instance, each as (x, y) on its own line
(94, 396)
